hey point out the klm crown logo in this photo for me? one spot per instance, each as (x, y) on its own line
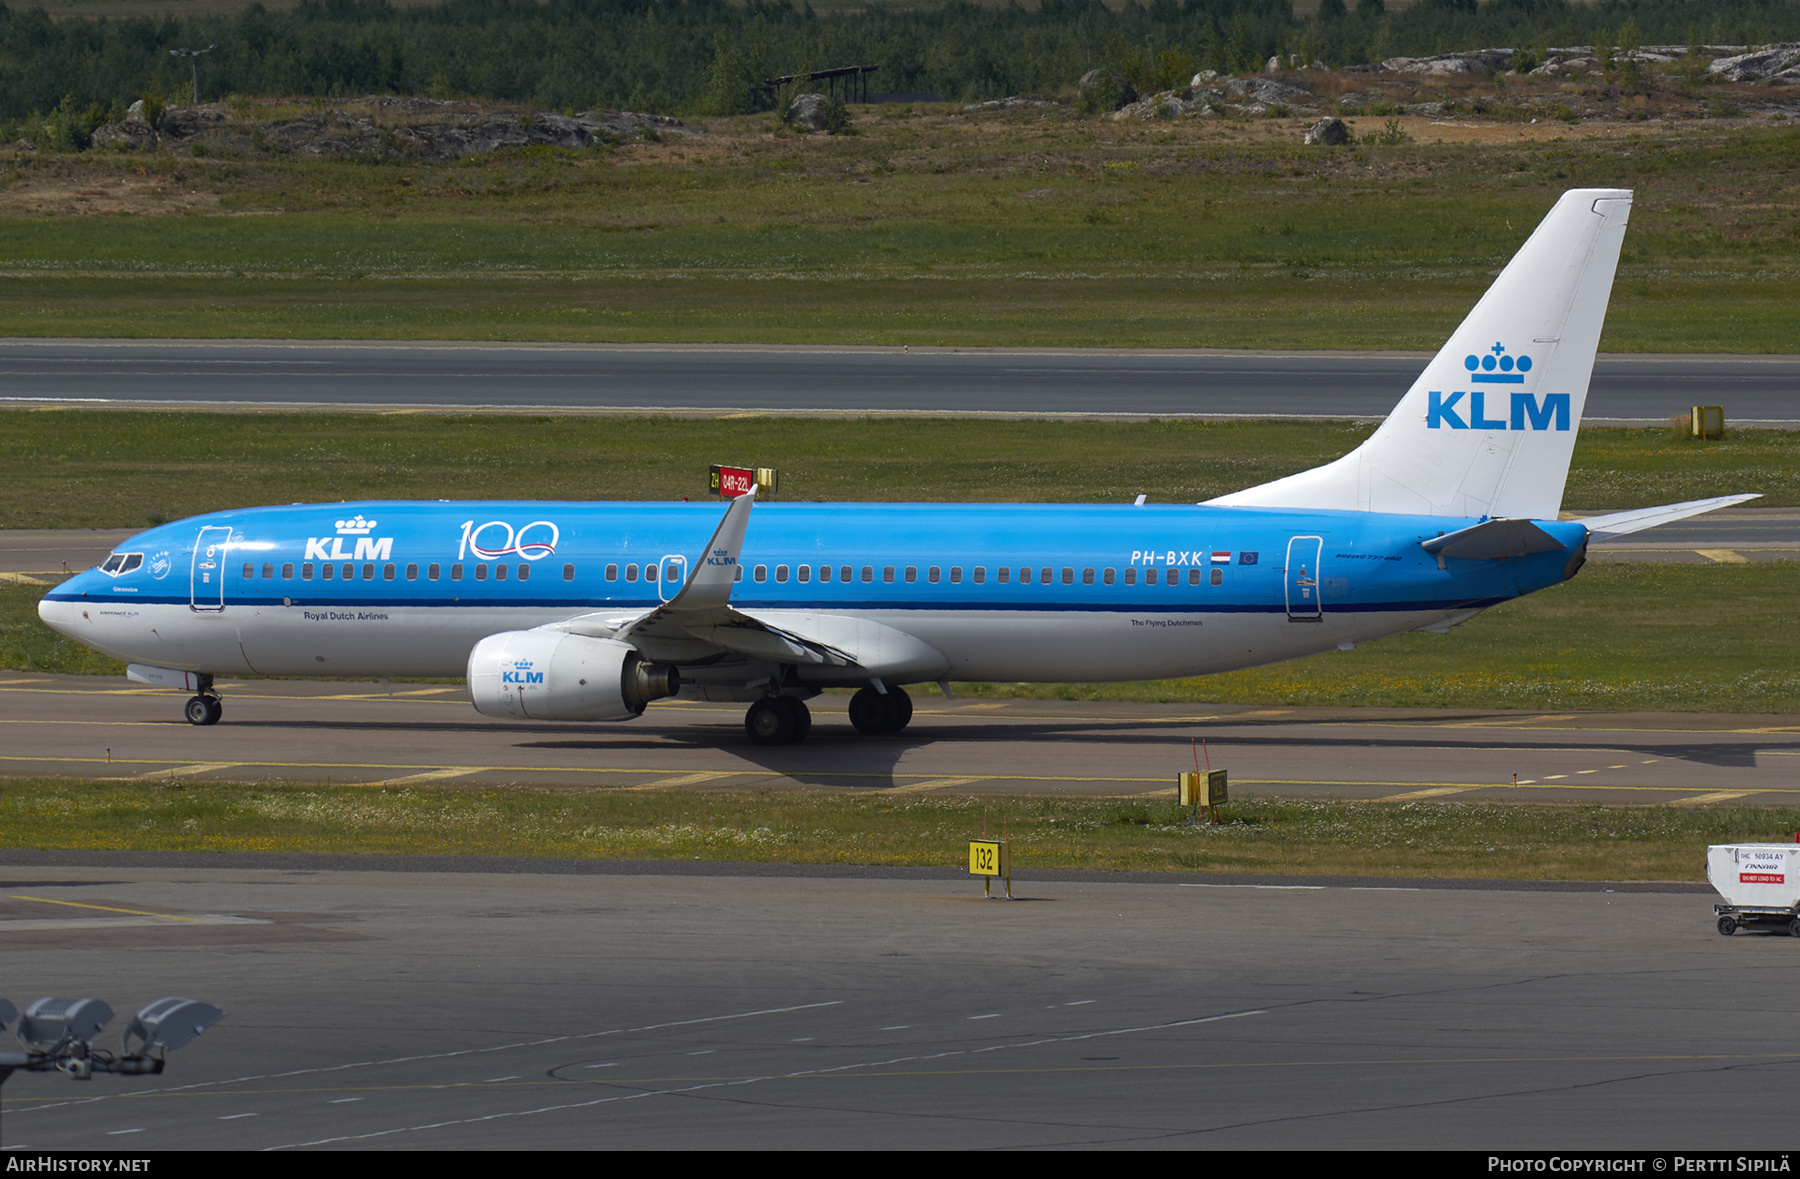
(1523, 411)
(356, 527)
(1511, 369)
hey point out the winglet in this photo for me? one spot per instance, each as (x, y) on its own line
(715, 573)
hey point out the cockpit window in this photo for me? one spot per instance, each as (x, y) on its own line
(119, 563)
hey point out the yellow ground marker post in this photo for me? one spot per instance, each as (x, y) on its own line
(1202, 791)
(989, 858)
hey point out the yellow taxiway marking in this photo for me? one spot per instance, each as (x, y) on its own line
(693, 779)
(427, 776)
(106, 908)
(931, 784)
(22, 579)
(199, 767)
(1435, 792)
(1723, 556)
(1715, 796)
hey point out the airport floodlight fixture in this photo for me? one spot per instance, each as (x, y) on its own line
(50, 1025)
(193, 56)
(167, 1024)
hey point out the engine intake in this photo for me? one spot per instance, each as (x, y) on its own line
(550, 675)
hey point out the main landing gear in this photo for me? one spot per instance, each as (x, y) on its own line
(880, 712)
(778, 720)
(206, 708)
(783, 720)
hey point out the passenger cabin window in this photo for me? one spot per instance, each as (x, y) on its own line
(525, 572)
(979, 573)
(306, 571)
(269, 572)
(433, 571)
(868, 573)
(387, 572)
(1218, 577)
(761, 574)
(803, 573)
(887, 573)
(1131, 576)
(1024, 575)
(456, 572)
(1087, 577)
(499, 573)
(671, 573)
(287, 571)
(650, 573)
(956, 575)
(249, 572)
(327, 572)
(569, 572)
(481, 572)
(1002, 574)
(612, 572)
(912, 574)
(1193, 577)
(412, 571)
(631, 573)
(1068, 576)
(781, 574)
(824, 573)
(1109, 576)
(932, 575)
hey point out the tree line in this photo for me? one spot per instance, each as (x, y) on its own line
(705, 56)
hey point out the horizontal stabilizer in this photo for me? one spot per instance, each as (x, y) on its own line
(1491, 539)
(1638, 519)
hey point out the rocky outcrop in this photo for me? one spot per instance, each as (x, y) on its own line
(427, 129)
(1106, 89)
(1476, 61)
(807, 112)
(1267, 91)
(1328, 133)
(1170, 104)
(1777, 63)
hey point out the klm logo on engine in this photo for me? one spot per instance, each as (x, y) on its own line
(521, 673)
(368, 548)
(1524, 412)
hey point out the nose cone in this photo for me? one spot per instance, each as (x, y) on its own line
(63, 608)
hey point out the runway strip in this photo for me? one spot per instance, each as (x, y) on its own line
(102, 728)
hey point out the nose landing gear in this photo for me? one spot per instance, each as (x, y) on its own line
(205, 708)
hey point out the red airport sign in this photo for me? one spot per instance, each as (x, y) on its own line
(731, 482)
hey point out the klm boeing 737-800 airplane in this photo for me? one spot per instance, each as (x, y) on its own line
(589, 611)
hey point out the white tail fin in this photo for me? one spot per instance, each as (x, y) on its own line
(1488, 428)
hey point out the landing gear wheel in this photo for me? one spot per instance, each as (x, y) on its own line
(1727, 926)
(1794, 927)
(878, 712)
(802, 718)
(772, 721)
(204, 710)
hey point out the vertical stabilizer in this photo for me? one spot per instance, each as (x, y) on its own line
(1488, 428)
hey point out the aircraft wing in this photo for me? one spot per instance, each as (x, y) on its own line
(700, 623)
(1638, 519)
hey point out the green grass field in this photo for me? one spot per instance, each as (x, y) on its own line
(1271, 836)
(923, 228)
(122, 469)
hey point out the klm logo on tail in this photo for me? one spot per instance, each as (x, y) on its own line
(1497, 368)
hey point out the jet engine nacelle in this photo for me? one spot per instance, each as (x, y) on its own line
(553, 675)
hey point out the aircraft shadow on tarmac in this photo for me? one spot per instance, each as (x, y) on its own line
(836, 755)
